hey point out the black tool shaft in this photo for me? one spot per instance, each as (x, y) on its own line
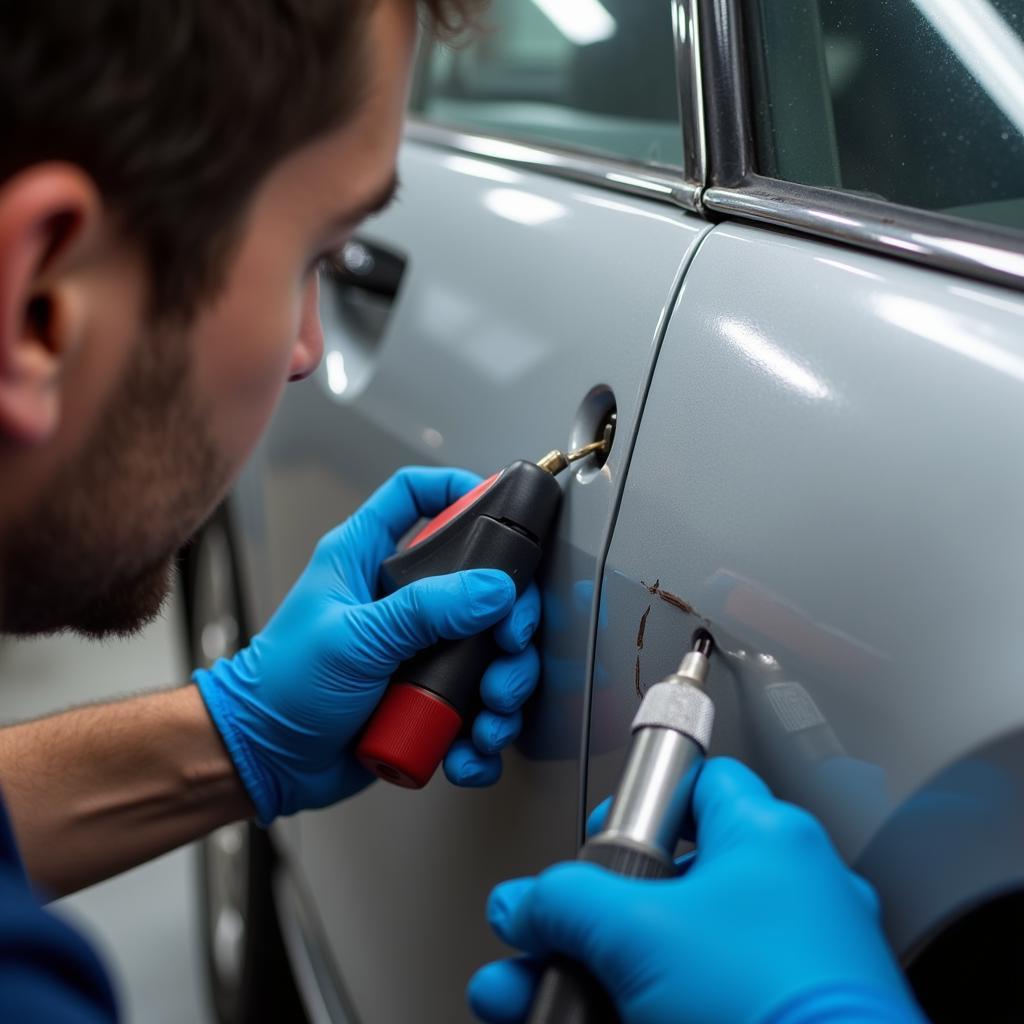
(567, 993)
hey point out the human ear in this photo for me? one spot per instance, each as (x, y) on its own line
(48, 215)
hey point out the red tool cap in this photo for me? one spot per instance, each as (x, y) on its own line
(408, 735)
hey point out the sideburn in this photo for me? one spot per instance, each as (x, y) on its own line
(95, 555)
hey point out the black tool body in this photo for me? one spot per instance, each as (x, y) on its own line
(501, 524)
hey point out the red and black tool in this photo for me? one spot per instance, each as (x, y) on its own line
(503, 523)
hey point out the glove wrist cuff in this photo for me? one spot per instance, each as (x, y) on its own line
(249, 770)
(848, 1004)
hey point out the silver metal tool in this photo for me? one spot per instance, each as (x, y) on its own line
(671, 733)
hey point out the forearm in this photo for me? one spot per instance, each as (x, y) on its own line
(99, 789)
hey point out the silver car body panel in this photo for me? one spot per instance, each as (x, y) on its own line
(487, 355)
(663, 184)
(827, 473)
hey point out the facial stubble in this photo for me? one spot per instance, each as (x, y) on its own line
(96, 555)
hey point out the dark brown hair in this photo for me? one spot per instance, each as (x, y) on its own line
(178, 108)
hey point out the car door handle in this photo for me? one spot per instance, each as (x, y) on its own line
(368, 267)
(360, 285)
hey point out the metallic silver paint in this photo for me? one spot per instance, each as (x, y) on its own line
(855, 546)
(647, 180)
(987, 253)
(544, 289)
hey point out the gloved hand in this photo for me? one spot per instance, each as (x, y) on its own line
(765, 925)
(289, 705)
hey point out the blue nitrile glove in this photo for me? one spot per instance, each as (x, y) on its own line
(290, 704)
(766, 926)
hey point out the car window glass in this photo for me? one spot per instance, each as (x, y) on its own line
(920, 102)
(588, 74)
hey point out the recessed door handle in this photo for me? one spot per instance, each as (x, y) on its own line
(367, 266)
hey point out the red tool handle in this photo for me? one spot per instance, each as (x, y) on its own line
(456, 508)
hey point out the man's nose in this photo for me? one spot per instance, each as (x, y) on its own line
(309, 346)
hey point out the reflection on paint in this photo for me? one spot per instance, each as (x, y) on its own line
(523, 207)
(644, 183)
(337, 376)
(769, 357)
(935, 324)
(848, 268)
(482, 169)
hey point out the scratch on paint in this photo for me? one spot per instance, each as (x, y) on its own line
(676, 602)
(668, 597)
(655, 590)
(643, 627)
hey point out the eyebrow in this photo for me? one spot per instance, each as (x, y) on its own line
(375, 203)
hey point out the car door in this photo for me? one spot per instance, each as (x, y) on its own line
(509, 303)
(827, 472)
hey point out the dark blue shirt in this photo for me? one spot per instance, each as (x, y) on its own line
(48, 973)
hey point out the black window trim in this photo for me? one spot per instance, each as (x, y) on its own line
(735, 190)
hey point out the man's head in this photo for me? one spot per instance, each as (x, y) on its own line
(172, 174)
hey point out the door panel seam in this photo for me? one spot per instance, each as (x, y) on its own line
(592, 630)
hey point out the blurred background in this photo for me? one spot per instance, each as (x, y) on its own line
(145, 922)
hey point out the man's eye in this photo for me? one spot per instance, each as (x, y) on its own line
(330, 262)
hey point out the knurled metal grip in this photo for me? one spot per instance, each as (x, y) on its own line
(678, 706)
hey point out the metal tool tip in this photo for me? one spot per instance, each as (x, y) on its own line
(703, 642)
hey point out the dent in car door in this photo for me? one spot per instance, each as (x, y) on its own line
(522, 293)
(828, 474)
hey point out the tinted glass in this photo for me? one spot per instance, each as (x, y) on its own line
(588, 74)
(920, 102)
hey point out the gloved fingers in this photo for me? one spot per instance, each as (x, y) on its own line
(448, 607)
(734, 808)
(502, 992)
(464, 765)
(729, 803)
(563, 910)
(868, 894)
(357, 547)
(509, 681)
(516, 630)
(598, 816)
(503, 906)
(492, 732)
(417, 492)
(721, 784)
